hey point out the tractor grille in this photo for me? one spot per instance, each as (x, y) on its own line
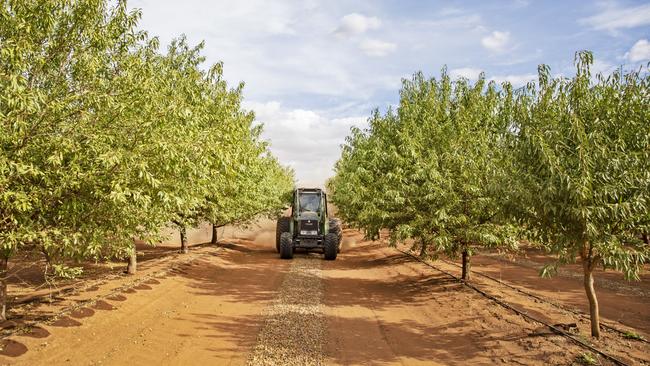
(309, 227)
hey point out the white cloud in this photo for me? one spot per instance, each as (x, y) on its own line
(612, 18)
(497, 41)
(472, 74)
(287, 52)
(355, 23)
(374, 47)
(602, 67)
(520, 58)
(307, 140)
(465, 72)
(639, 52)
(515, 80)
(276, 26)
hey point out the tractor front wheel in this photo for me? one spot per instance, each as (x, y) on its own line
(282, 226)
(286, 246)
(335, 228)
(331, 246)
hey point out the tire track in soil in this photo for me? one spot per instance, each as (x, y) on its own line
(294, 329)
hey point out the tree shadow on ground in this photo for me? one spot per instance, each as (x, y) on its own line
(240, 331)
(27, 273)
(256, 275)
(253, 276)
(365, 341)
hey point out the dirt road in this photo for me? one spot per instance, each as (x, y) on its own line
(239, 304)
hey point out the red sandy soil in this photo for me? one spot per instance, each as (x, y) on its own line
(379, 306)
(621, 301)
(26, 278)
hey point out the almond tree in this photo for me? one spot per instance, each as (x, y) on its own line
(362, 189)
(58, 62)
(456, 129)
(258, 185)
(429, 172)
(580, 179)
(103, 138)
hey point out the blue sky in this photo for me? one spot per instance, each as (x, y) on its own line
(314, 68)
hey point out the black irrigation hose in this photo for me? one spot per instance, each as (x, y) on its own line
(575, 312)
(522, 313)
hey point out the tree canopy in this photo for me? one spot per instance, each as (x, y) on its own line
(105, 138)
(564, 162)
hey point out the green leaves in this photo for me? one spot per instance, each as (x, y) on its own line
(579, 178)
(105, 139)
(430, 171)
(457, 165)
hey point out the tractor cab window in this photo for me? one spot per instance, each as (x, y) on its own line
(309, 202)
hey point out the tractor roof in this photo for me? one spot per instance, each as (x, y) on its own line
(309, 190)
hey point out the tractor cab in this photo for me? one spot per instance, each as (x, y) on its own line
(309, 226)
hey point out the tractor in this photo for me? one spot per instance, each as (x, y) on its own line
(308, 227)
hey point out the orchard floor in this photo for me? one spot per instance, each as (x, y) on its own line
(240, 304)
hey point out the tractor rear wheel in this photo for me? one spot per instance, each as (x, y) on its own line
(286, 246)
(282, 226)
(335, 228)
(331, 246)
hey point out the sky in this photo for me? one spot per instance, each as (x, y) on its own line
(313, 69)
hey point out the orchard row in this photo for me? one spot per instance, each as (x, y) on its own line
(562, 162)
(106, 139)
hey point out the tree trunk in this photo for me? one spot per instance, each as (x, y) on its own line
(214, 234)
(591, 296)
(423, 250)
(3, 288)
(132, 266)
(466, 265)
(183, 239)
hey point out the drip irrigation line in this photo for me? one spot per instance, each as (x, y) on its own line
(537, 297)
(522, 313)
